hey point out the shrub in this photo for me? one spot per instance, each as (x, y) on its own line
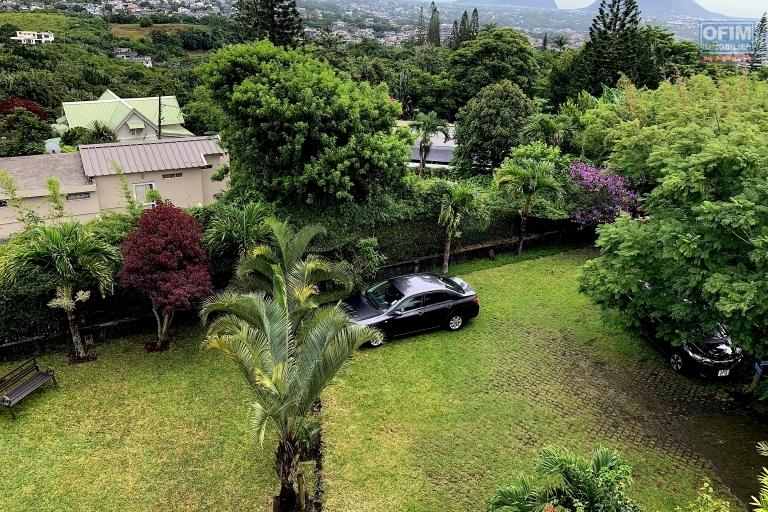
(599, 196)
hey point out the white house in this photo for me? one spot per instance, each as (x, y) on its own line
(30, 37)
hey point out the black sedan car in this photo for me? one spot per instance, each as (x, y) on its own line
(414, 303)
(705, 354)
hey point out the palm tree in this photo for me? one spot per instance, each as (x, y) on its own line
(285, 259)
(70, 254)
(547, 128)
(458, 200)
(571, 483)
(100, 133)
(761, 502)
(234, 227)
(428, 125)
(287, 362)
(560, 41)
(527, 178)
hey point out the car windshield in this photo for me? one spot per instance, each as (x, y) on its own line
(383, 295)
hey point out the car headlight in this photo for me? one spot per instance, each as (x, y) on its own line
(695, 356)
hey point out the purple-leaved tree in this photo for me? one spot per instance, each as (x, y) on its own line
(599, 196)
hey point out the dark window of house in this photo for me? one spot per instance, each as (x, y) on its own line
(77, 196)
(3, 203)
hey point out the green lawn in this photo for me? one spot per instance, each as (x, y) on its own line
(56, 23)
(431, 423)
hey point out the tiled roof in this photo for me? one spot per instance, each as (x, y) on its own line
(147, 156)
(31, 172)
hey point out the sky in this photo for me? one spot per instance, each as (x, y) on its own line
(752, 8)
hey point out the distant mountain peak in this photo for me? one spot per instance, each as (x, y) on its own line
(667, 8)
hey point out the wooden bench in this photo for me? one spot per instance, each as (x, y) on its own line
(22, 381)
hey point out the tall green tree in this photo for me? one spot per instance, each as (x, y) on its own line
(433, 32)
(22, 133)
(561, 42)
(465, 33)
(494, 55)
(72, 257)
(568, 482)
(421, 28)
(474, 24)
(287, 361)
(301, 132)
(453, 43)
(759, 49)
(488, 126)
(275, 20)
(526, 179)
(612, 45)
(428, 125)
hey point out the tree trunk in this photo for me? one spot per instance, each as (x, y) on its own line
(422, 159)
(447, 253)
(523, 225)
(163, 324)
(286, 462)
(77, 340)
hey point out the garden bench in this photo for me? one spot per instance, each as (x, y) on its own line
(22, 381)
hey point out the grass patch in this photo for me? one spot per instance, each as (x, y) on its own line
(56, 23)
(439, 421)
(136, 431)
(134, 31)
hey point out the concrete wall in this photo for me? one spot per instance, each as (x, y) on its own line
(78, 209)
(194, 187)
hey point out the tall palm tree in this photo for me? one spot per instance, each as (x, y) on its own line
(70, 254)
(457, 202)
(561, 42)
(286, 362)
(285, 259)
(527, 178)
(234, 227)
(428, 125)
(550, 129)
(571, 483)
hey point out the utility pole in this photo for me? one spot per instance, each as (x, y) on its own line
(160, 115)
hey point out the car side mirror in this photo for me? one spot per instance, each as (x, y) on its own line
(397, 312)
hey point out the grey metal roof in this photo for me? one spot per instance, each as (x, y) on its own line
(147, 156)
(31, 172)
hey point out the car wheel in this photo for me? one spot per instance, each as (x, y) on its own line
(676, 362)
(376, 343)
(455, 323)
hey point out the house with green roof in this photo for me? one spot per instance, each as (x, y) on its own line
(132, 119)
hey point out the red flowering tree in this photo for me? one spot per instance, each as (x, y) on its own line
(8, 105)
(164, 260)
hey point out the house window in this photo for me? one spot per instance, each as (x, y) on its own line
(136, 131)
(78, 196)
(140, 191)
(172, 176)
(209, 166)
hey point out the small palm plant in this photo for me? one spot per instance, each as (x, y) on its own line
(287, 347)
(527, 178)
(236, 228)
(427, 126)
(458, 201)
(761, 502)
(100, 133)
(571, 483)
(70, 254)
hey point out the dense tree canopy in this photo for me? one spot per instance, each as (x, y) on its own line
(300, 131)
(701, 245)
(494, 55)
(489, 126)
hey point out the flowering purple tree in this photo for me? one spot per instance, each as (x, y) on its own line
(599, 195)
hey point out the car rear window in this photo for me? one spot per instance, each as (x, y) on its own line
(383, 295)
(452, 285)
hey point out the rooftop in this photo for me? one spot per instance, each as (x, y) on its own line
(110, 109)
(147, 156)
(31, 172)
